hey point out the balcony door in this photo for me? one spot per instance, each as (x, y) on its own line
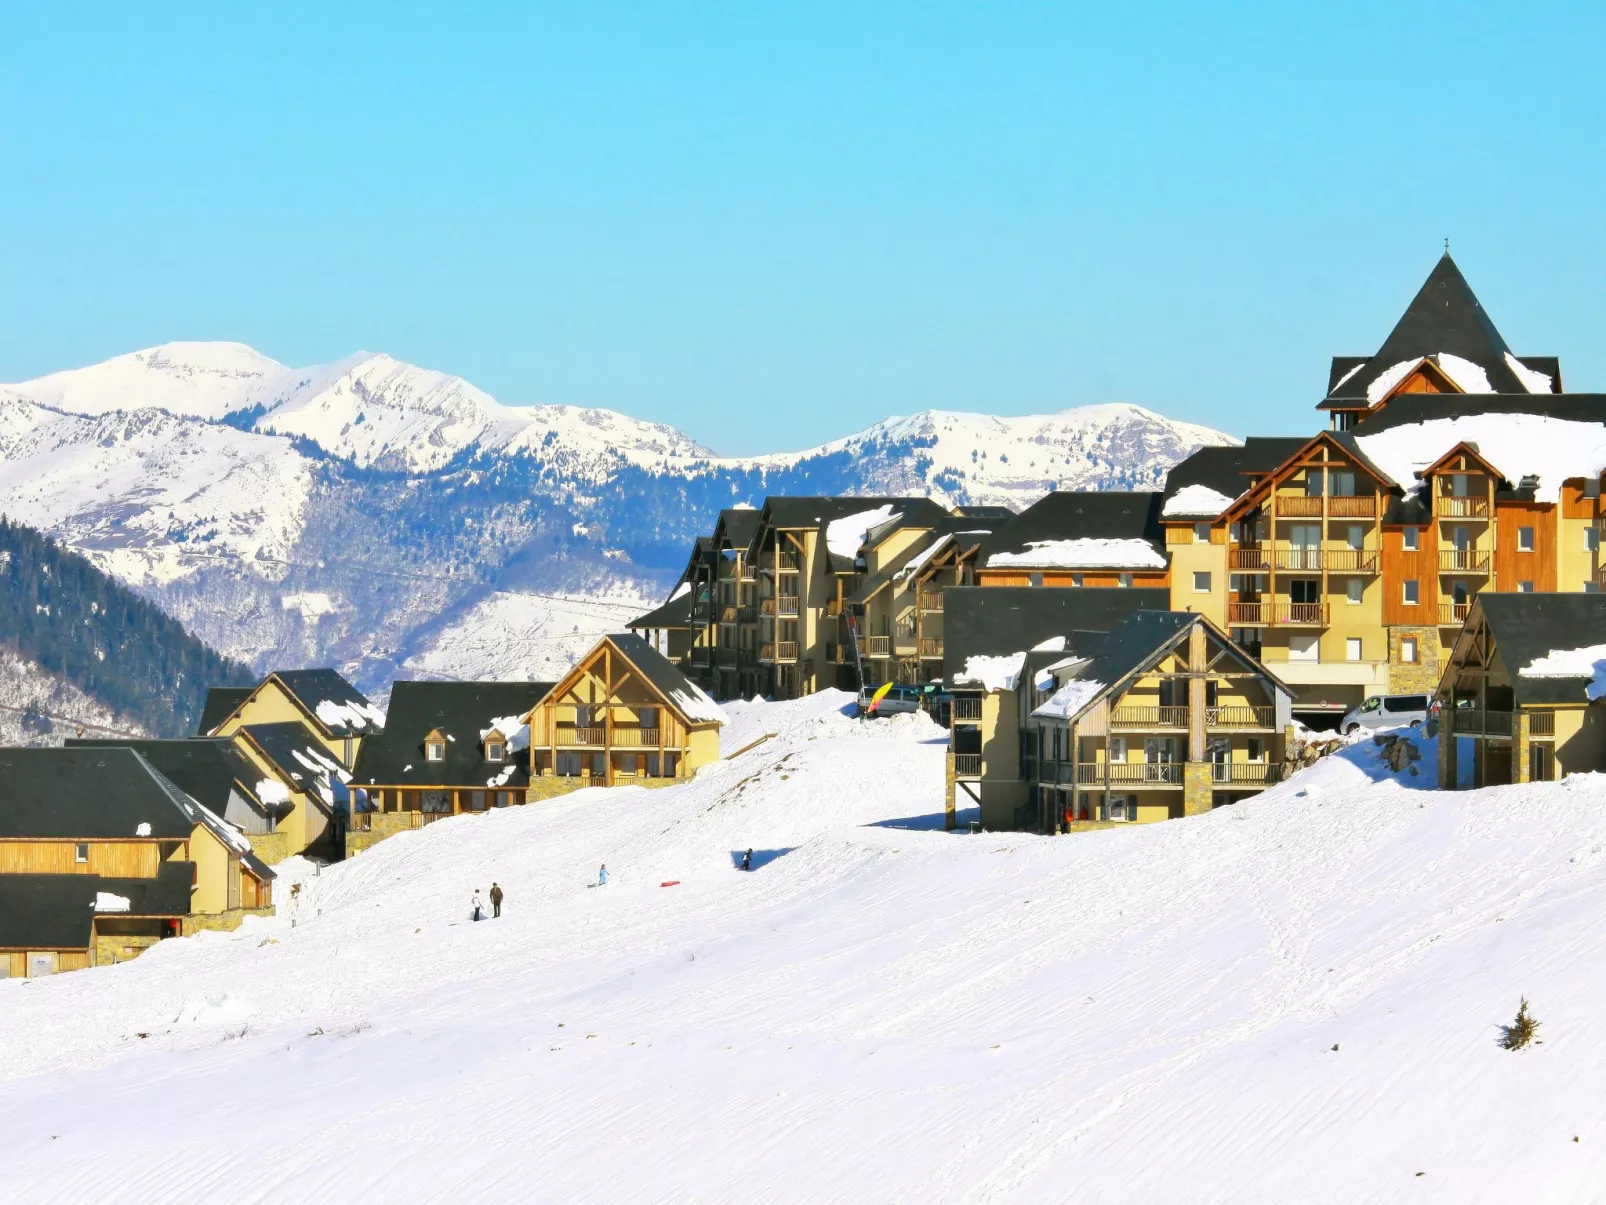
(1307, 541)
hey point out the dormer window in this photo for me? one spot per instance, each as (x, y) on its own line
(495, 748)
(435, 746)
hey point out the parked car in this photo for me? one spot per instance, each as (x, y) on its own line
(899, 698)
(1387, 711)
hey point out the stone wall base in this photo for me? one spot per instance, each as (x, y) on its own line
(219, 921)
(272, 848)
(112, 948)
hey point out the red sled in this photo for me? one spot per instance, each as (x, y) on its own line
(670, 883)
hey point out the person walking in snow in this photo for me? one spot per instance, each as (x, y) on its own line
(496, 900)
(602, 876)
(476, 912)
(747, 860)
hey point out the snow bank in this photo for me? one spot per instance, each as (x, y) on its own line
(1519, 445)
(1081, 554)
(845, 536)
(1196, 502)
(696, 705)
(992, 673)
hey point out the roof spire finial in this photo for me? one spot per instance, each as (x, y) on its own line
(1447, 245)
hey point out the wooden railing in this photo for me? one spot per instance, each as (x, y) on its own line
(1468, 721)
(1453, 614)
(1246, 771)
(786, 561)
(727, 614)
(766, 652)
(967, 707)
(626, 738)
(1249, 559)
(878, 646)
(1299, 558)
(1149, 717)
(1240, 717)
(931, 646)
(580, 736)
(1541, 723)
(1470, 560)
(1305, 615)
(1350, 560)
(786, 650)
(747, 613)
(1248, 614)
(967, 765)
(786, 604)
(701, 655)
(1361, 507)
(1128, 773)
(1448, 506)
(1298, 506)
(931, 600)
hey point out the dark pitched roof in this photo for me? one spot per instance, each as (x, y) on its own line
(460, 711)
(983, 512)
(1527, 627)
(1424, 407)
(302, 761)
(999, 620)
(205, 769)
(736, 527)
(796, 513)
(923, 513)
(1077, 515)
(85, 793)
(221, 702)
(676, 613)
(680, 691)
(313, 687)
(1227, 470)
(55, 911)
(1444, 316)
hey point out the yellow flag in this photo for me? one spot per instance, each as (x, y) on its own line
(875, 700)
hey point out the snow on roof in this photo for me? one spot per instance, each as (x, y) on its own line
(1519, 445)
(1391, 376)
(696, 706)
(513, 728)
(144, 829)
(1468, 377)
(1347, 376)
(680, 591)
(1532, 379)
(1070, 699)
(1586, 662)
(992, 673)
(1054, 644)
(271, 790)
(349, 715)
(1081, 554)
(500, 780)
(106, 901)
(918, 562)
(845, 535)
(1196, 501)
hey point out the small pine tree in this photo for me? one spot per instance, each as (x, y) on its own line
(1521, 1031)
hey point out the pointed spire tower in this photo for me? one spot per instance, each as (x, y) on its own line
(1443, 343)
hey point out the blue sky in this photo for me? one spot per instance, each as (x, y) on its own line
(774, 224)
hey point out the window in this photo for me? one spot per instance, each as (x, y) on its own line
(1117, 748)
(1591, 539)
(1408, 650)
(494, 749)
(434, 750)
(1343, 484)
(1352, 648)
(1123, 807)
(1201, 533)
(1313, 483)
(1256, 749)
(1411, 538)
(1412, 595)
(1525, 539)
(1353, 590)
(1126, 580)
(476, 801)
(1076, 579)
(1304, 648)
(1035, 579)
(1459, 486)
(1525, 587)
(1357, 536)
(1201, 583)
(80, 852)
(1592, 488)
(647, 717)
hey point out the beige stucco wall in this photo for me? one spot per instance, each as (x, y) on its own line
(1188, 559)
(216, 873)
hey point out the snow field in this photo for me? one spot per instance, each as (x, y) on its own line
(875, 1014)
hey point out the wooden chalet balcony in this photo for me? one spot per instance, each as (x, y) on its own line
(1298, 506)
(766, 653)
(747, 613)
(728, 659)
(1302, 615)
(786, 562)
(930, 600)
(1350, 560)
(967, 765)
(1249, 560)
(1248, 614)
(1447, 507)
(966, 707)
(1469, 721)
(1149, 717)
(878, 646)
(1362, 507)
(1240, 717)
(786, 650)
(1453, 614)
(1250, 772)
(627, 738)
(931, 646)
(702, 655)
(1470, 560)
(727, 614)
(766, 606)
(1541, 723)
(1130, 773)
(786, 604)
(569, 737)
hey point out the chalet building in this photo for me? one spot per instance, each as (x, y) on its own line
(213, 772)
(302, 731)
(622, 716)
(1518, 699)
(51, 923)
(1074, 539)
(998, 637)
(730, 667)
(1160, 718)
(668, 628)
(107, 815)
(447, 748)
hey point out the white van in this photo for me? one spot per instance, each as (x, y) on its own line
(1387, 711)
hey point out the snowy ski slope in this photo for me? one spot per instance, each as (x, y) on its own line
(1290, 1000)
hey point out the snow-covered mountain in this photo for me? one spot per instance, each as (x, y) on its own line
(359, 512)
